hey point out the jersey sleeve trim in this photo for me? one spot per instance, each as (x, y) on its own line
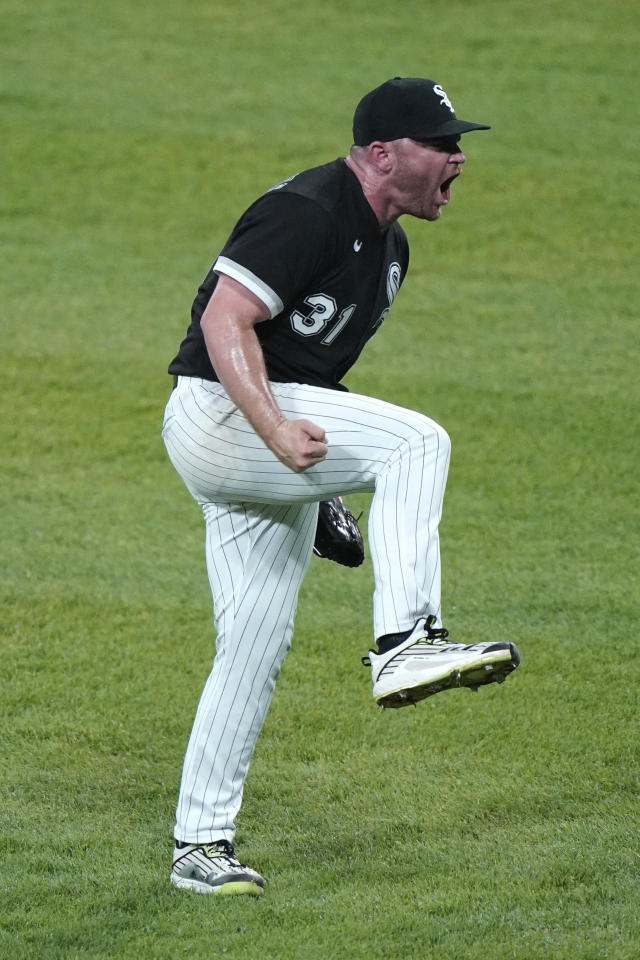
(249, 280)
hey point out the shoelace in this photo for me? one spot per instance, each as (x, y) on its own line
(432, 635)
(438, 634)
(221, 850)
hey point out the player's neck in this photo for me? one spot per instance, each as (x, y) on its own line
(372, 187)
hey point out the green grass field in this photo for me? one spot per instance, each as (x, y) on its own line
(498, 825)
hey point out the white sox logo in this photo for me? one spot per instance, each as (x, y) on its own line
(445, 99)
(394, 278)
(393, 281)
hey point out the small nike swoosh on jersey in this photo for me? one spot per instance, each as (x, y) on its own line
(357, 245)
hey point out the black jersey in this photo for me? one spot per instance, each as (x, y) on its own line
(312, 250)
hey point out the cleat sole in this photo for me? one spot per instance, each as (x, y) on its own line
(231, 888)
(473, 677)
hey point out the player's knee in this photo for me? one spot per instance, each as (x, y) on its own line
(444, 442)
(433, 436)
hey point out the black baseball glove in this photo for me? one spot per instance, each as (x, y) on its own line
(338, 536)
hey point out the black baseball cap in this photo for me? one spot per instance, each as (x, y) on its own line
(407, 107)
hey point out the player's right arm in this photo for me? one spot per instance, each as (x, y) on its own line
(228, 325)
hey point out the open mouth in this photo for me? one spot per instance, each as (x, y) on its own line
(445, 188)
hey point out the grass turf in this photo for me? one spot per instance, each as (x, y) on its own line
(500, 825)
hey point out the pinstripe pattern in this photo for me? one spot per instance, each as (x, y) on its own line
(260, 525)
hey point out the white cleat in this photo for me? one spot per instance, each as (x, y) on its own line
(425, 663)
(213, 868)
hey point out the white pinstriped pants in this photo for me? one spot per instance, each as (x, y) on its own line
(260, 526)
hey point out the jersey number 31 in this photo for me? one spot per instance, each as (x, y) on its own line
(323, 311)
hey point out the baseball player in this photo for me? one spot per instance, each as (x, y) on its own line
(261, 430)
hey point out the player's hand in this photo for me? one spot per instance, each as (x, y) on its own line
(299, 444)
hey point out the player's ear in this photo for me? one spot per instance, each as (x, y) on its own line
(381, 155)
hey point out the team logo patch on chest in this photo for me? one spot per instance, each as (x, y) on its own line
(394, 277)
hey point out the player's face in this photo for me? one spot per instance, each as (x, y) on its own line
(424, 174)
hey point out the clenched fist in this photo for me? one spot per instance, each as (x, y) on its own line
(299, 444)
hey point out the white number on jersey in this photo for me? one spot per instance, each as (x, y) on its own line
(343, 320)
(323, 310)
